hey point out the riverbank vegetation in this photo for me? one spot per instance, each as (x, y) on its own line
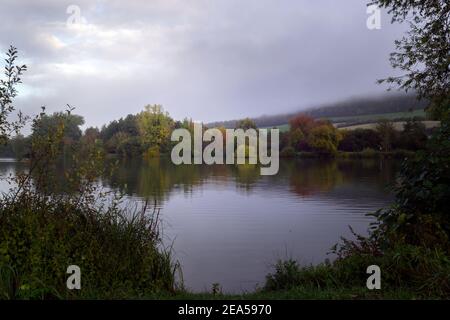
(410, 240)
(44, 229)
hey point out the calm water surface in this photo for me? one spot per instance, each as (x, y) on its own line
(228, 224)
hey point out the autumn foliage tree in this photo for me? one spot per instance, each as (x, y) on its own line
(308, 134)
(302, 122)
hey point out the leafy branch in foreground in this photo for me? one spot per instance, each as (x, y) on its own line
(418, 216)
(423, 54)
(8, 92)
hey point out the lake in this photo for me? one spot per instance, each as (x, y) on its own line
(229, 225)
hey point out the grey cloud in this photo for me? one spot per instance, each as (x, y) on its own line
(209, 60)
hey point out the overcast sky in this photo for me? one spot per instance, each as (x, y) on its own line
(203, 59)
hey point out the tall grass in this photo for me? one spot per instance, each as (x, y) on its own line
(118, 250)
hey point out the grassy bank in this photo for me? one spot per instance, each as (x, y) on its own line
(407, 272)
(302, 293)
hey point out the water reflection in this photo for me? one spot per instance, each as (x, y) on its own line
(228, 223)
(157, 178)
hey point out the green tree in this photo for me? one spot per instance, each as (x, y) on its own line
(325, 139)
(127, 125)
(359, 139)
(124, 145)
(91, 135)
(413, 136)
(419, 215)
(20, 146)
(246, 124)
(70, 123)
(387, 134)
(114, 145)
(154, 126)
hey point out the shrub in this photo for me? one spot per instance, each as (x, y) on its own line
(413, 136)
(116, 250)
(419, 215)
(359, 139)
(289, 274)
(423, 272)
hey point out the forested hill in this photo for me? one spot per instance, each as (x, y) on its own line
(355, 107)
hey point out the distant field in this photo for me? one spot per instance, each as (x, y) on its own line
(376, 117)
(362, 120)
(282, 128)
(398, 125)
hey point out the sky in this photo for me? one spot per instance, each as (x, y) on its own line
(202, 59)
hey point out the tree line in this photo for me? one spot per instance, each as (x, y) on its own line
(148, 134)
(307, 134)
(144, 134)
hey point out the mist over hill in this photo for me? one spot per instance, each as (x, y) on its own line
(351, 107)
